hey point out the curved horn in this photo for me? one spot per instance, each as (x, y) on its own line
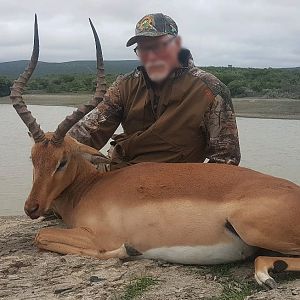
(78, 114)
(18, 88)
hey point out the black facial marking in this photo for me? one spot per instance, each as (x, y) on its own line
(62, 164)
(46, 142)
(279, 266)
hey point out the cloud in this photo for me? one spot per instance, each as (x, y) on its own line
(257, 33)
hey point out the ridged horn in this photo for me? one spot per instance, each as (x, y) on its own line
(18, 88)
(84, 109)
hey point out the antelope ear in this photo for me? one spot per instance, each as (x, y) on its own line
(88, 151)
(96, 159)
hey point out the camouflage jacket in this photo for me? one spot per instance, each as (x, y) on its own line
(126, 102)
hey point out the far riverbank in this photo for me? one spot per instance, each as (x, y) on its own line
(282, 108)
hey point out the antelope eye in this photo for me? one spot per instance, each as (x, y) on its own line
(62, 164)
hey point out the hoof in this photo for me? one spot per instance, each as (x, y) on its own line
(265, 280)
(270, 283)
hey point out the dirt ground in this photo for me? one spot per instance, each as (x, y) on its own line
(27, 273)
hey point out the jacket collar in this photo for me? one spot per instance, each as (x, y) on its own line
(186, 58)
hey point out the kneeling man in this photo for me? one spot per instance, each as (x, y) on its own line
(170, 110)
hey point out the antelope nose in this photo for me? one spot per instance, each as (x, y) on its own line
(31, 210)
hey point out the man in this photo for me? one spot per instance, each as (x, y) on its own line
(170, 110)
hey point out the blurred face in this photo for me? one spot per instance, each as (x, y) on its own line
(159, 55)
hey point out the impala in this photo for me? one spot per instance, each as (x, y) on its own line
(181, 213)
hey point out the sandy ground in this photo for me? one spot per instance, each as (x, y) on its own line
(267, 108)
(27, 273)
(244, 107)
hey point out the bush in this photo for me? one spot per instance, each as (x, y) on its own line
(242, 82)
(66, 83)
(250, 82)
(5, 85)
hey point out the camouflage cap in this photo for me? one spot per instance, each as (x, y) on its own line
(153, 25)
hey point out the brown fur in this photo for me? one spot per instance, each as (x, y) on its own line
(153, 205)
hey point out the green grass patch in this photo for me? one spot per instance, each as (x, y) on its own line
(233, 288)
(138, 287)
(237, 290)
(222, 270)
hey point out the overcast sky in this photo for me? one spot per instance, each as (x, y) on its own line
(256, 33)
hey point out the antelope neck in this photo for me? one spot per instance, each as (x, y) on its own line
(85, 176)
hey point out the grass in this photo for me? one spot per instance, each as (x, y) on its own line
(138, 287)
(236, 290)
(222, 270)
(233, 289)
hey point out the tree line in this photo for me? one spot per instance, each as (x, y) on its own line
(242, 82)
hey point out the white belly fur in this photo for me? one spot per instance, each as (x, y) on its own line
(204, 254)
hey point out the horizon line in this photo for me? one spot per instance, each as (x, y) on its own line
(136, 60)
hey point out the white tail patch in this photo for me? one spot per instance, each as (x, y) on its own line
(203, 254)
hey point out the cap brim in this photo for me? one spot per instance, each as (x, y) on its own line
(135, 38)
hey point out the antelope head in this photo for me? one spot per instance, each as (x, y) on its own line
(54, 154)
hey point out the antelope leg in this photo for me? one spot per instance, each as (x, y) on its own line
(264, 264)
(78, 241)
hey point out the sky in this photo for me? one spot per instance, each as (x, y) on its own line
(245, 33)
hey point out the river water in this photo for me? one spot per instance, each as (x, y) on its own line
(268, 145)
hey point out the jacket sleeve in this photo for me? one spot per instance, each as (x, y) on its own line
(98, 126)
(221, 131)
